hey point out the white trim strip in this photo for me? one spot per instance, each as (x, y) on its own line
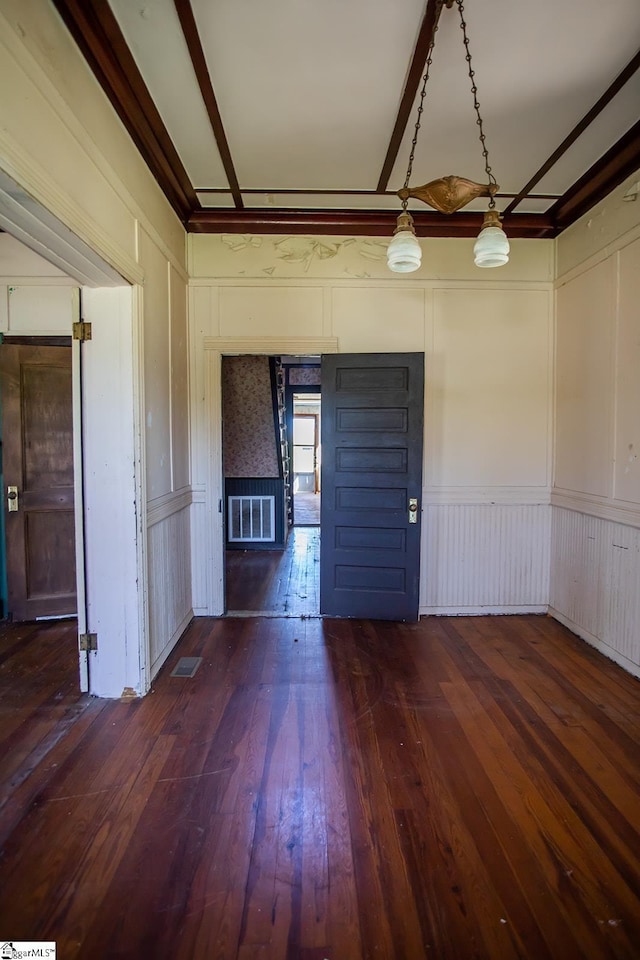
(452, 496)
(161, 508)
(619, 511)
(294, 346)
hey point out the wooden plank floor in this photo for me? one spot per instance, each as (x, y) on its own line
(276, 581)
(451, 789)
(306, 509)
(42, 714)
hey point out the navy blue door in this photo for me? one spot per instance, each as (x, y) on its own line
(372, 429)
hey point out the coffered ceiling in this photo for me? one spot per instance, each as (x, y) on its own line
(297, 115)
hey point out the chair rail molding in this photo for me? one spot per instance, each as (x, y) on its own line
(605, 508)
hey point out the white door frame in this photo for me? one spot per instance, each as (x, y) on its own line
(111, 546)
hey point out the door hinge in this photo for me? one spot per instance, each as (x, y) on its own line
(82, 330)
(88, 641)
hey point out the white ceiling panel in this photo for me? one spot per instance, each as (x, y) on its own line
(216, 199)
(308, 91)
(305, 201)
(534, 205)
(536, 76)
(614, 121)
(154, 36)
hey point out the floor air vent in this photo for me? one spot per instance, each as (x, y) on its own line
(186, 667)
(251, 519)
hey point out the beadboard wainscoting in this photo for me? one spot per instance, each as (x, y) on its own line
(595, 582)
(485, 558)
(170, 609)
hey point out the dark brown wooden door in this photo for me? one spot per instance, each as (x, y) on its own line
(372, 427)
(37, 432)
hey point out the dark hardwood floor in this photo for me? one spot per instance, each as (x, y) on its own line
(451, 789)
(281, 582)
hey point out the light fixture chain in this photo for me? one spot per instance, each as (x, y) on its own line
(476, 104)
(421, 102)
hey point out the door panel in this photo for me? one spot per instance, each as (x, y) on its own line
(372, 430)
(37, 428)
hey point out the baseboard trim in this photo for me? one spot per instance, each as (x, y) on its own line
(593, 641)
(488, 611)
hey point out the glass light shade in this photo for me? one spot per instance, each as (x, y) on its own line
(491, 249)
(404, 253)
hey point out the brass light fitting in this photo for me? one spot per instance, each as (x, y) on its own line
(449, 194)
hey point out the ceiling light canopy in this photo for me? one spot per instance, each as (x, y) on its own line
(449, 194)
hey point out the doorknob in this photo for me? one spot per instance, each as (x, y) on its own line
(12, 499)
(413, 509)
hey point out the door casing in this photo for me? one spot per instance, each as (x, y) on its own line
(210, 541)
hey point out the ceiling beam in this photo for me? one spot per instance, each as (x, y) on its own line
(414, 76)
(97, 33)
(579, 128)
(367, 223)
(192, 37)
(616, 165)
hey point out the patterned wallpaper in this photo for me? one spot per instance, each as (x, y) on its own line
(248, 435)
(297, 376)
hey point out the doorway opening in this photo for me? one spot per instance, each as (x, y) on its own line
(306, 457)
(271, 467)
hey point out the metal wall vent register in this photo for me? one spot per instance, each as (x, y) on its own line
(251, 519)
(186, 667)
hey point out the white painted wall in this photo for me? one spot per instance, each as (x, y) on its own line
(36, 310)
(595, 558)
(487, 339)
(18, 264)
(35, 297)
(62, 143)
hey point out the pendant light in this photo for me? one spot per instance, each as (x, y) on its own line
(449, 194)
(404, 253)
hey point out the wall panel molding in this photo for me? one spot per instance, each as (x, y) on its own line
(617, 511)
(486, 495)
(373, 283)
(271, 346)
